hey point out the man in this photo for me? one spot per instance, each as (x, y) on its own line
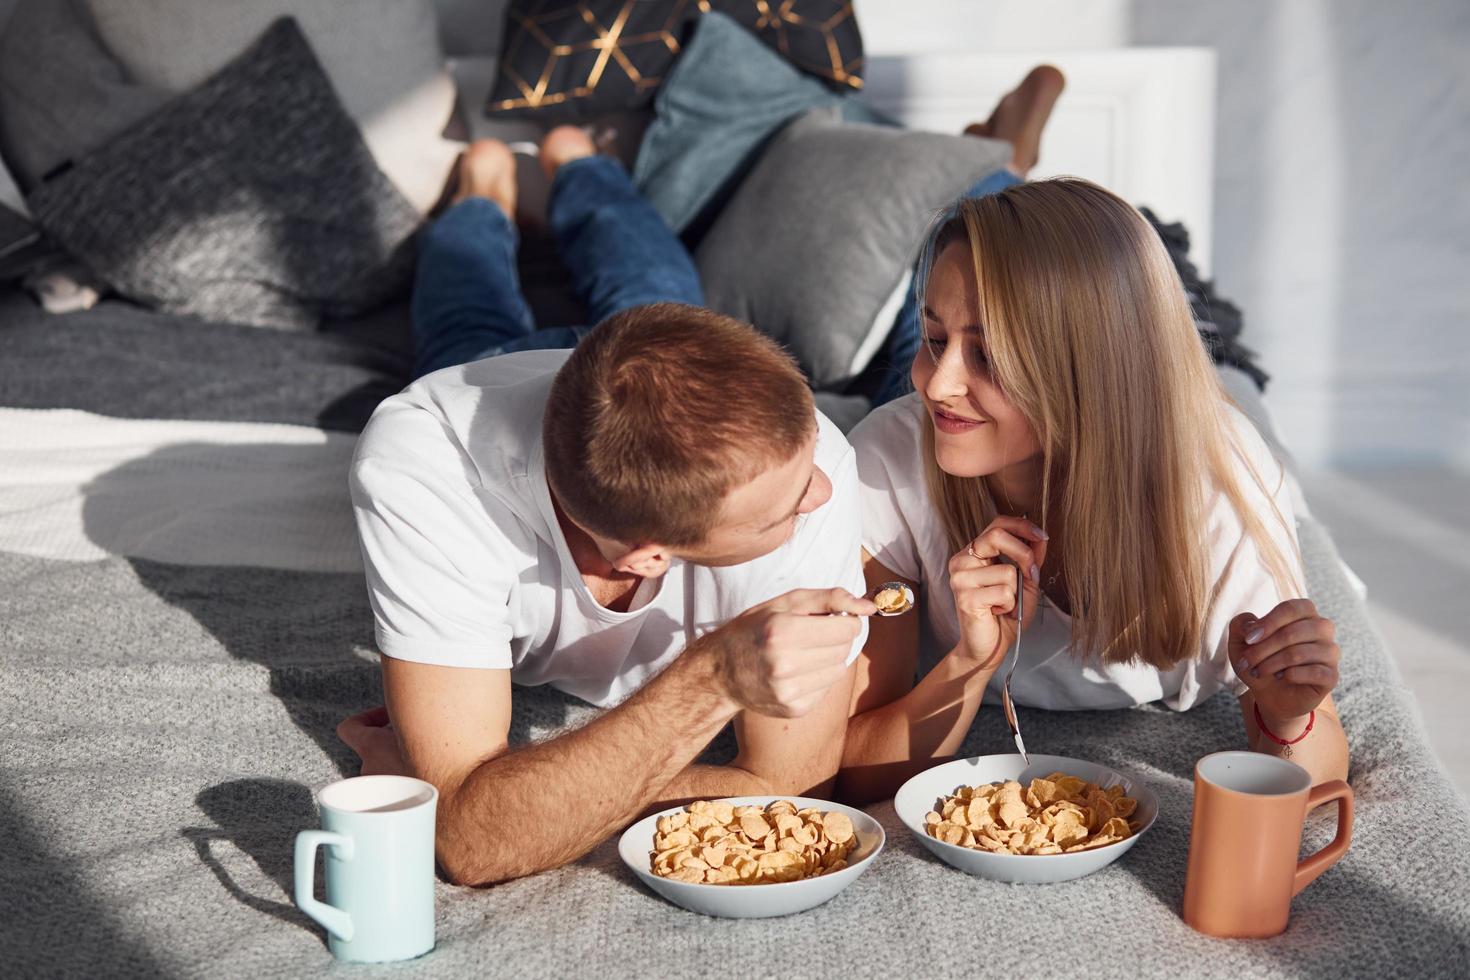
(658, 522)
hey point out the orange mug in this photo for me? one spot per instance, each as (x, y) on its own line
(1249, 810)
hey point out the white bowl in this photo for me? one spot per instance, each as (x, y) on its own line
(918, 796)
(754, 901)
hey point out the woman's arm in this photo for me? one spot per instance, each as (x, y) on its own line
(777, 757)
(875, 754)
(1288, 661)
(888, 744)
(1323, 753)
(898, 727)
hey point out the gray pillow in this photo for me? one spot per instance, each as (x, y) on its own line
(77, 73)
(10, 196)
(824, 230)
(383, 58)
(61, 93)
(725, 96)
(251, 199)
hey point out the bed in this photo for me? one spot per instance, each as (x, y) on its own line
(183, 621)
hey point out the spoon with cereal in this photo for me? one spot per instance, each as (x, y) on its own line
(893, 599)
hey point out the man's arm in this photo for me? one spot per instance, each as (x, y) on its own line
(784, 756)
(505, 813)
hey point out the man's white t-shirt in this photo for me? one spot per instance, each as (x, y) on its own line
(467, 565)
(901, 529)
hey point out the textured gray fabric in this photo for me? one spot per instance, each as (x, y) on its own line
(126, 362)
(374, 54)
(1248, 398)
(251, 199)
(382, 56)
(725, 96)
(76, 73)
(845, 411)
(165, 727)
(10, 196)
(824, 228)
(61, 93)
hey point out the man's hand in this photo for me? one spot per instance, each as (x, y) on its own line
(1288, 659)
(370, 734)
(984, 587)
(780, 657)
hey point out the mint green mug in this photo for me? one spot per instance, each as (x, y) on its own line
(378, 832)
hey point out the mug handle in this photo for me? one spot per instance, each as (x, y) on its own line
(333, 919)
(1314, 864)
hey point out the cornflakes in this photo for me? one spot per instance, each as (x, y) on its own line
(891, 600)
(1053, 815)
(722, 844)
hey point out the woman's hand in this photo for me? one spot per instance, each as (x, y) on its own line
(1288, 659)
(985, 588)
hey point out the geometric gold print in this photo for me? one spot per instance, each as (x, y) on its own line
(615, 52)
(811, 34)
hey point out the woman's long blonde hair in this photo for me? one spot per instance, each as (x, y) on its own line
(1089, 335)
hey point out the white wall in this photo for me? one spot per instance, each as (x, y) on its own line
(1342, 207)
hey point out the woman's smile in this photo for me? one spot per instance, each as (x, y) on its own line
(954, 424)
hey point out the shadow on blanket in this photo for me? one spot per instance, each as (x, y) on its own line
(47, 939)
(311, 630)
(308, 629)
(261, 818)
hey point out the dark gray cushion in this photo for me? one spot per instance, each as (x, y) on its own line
(10, 195)
(251, 199)
(61, 92)
(725, 96)
(563, 62)
(826, 226)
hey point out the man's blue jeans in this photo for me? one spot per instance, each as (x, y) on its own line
(898, 351)
(467, 301)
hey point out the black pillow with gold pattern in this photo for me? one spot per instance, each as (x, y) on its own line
(569, 60)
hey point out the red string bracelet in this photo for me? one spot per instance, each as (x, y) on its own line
(1261, 724)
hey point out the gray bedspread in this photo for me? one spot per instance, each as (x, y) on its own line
(166, 722)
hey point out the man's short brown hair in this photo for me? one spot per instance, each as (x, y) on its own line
(660, 412)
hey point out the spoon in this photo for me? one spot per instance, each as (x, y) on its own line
(891, 598)
(1005, 692)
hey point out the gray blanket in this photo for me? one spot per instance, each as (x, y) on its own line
(165, 726)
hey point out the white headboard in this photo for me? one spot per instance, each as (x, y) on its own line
(1139, 121)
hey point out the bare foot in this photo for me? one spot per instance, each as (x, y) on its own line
(1021, 115)
(563, 145)
(487, 169)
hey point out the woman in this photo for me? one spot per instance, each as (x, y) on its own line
(1067, 422)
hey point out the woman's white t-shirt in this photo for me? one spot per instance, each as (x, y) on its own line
(901, 529)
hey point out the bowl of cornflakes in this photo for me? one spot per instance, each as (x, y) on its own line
(751, 857)
(997, 817)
